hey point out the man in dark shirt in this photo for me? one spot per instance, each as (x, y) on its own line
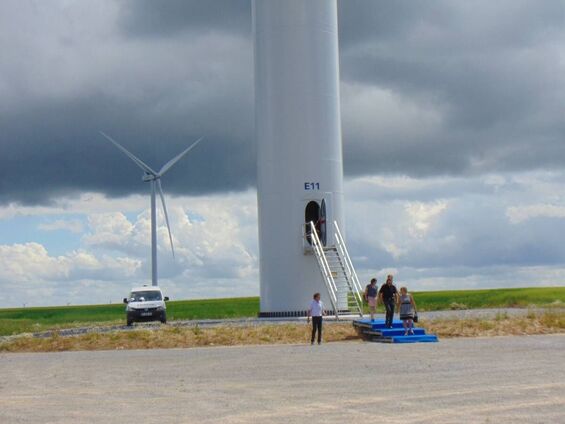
(388, 296)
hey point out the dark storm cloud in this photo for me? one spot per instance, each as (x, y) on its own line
(477, 87)
(151, 18)
(148, 96)
(69, 155)
(494, 70)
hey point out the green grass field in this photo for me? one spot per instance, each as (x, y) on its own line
(495, 298)
(20, 320)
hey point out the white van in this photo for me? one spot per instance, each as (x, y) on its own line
(146, 304)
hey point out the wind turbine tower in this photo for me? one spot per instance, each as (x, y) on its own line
(154, 178)
(299, 153)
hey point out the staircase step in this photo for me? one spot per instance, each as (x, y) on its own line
(341, 274)
(377, 324)
(427, 338)
(390, 332)
(376, 331)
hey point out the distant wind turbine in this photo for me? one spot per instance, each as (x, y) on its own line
(155, 179)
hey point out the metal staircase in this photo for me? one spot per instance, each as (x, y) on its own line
(337, 270)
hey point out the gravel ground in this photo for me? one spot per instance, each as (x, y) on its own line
(482, 380)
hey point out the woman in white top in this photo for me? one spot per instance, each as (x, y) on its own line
(316, 311)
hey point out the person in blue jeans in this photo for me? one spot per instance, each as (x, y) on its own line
(388, 296)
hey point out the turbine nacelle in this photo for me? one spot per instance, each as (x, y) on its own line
(148, 177)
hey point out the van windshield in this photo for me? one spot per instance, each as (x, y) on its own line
(146, 295)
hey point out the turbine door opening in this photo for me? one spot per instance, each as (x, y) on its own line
(321, 226)
(312, 214)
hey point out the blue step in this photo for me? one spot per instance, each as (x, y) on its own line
(426, 338)
(376, 324)
(390, 332)
(377, 332)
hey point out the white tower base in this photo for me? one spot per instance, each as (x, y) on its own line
(298, 132)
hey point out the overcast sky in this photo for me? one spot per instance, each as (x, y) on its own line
(453, 139)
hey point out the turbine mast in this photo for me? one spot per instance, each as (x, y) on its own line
(154, 281)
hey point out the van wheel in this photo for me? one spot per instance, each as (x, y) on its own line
(129, 323)
(164, 319)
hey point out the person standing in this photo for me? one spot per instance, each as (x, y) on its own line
(388, 295)
(371, 292)
(316, 311)
(407, 310)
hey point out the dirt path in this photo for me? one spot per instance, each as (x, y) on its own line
(484, 380)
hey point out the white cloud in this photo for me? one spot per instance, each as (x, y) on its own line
(422, 216)
(395, 249)
(110, 230)
(215, 252)
(426, 279)
(431, 233)
(222, 242)
(72, 225)
(31, 263)
(519, 214)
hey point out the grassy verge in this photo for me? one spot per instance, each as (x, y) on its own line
(24, 320)
(186, 337)
(180, 337)
(548, 322)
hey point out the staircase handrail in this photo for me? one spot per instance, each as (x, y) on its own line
(350, 269)
(328, 277)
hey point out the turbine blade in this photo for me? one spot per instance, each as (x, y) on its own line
(138, 161)
(174, 160)
(166, 215)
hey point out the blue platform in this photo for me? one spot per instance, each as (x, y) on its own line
(377, 331)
